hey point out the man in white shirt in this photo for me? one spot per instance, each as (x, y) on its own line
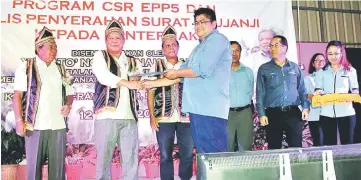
(43, 96)
(115, 105)
(255, 60)
(166, 117)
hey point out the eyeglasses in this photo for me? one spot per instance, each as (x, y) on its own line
(275, 45)
(236, 51)
(320, 61)
(336, 54)
(200, 22)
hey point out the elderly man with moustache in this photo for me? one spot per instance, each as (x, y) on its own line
(43, 96)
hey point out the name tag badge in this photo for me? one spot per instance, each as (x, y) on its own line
(345, 74)
(292, 72)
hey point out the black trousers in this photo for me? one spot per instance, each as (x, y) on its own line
(357, 132)
(289, 121)
(329, 128)
(316, 133)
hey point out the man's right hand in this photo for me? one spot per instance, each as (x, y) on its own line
(20, 128)
(171, 74)
(263, 120)
(154, 123)
(134, 85)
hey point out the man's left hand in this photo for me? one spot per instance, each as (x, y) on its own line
(171, 74)
(305, 113)
(65, 110)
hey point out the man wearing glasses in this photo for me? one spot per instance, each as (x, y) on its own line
(206, 76)
(280, 90)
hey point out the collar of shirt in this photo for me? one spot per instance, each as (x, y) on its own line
(207, 36)
(122, 60)
(329, 68)
(287, 63)
(41, 64)
(175, 66)
(241, 66)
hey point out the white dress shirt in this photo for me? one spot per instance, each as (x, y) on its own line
(50, 99)
(105, 77)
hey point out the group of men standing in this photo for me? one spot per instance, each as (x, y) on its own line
(206, 101)
(280, 95)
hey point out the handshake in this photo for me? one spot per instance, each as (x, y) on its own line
(135, 82)
(140, 84)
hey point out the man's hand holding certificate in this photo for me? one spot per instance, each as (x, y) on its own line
(149, 74)
(148, 79)
(169, 78)
(171, 74)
